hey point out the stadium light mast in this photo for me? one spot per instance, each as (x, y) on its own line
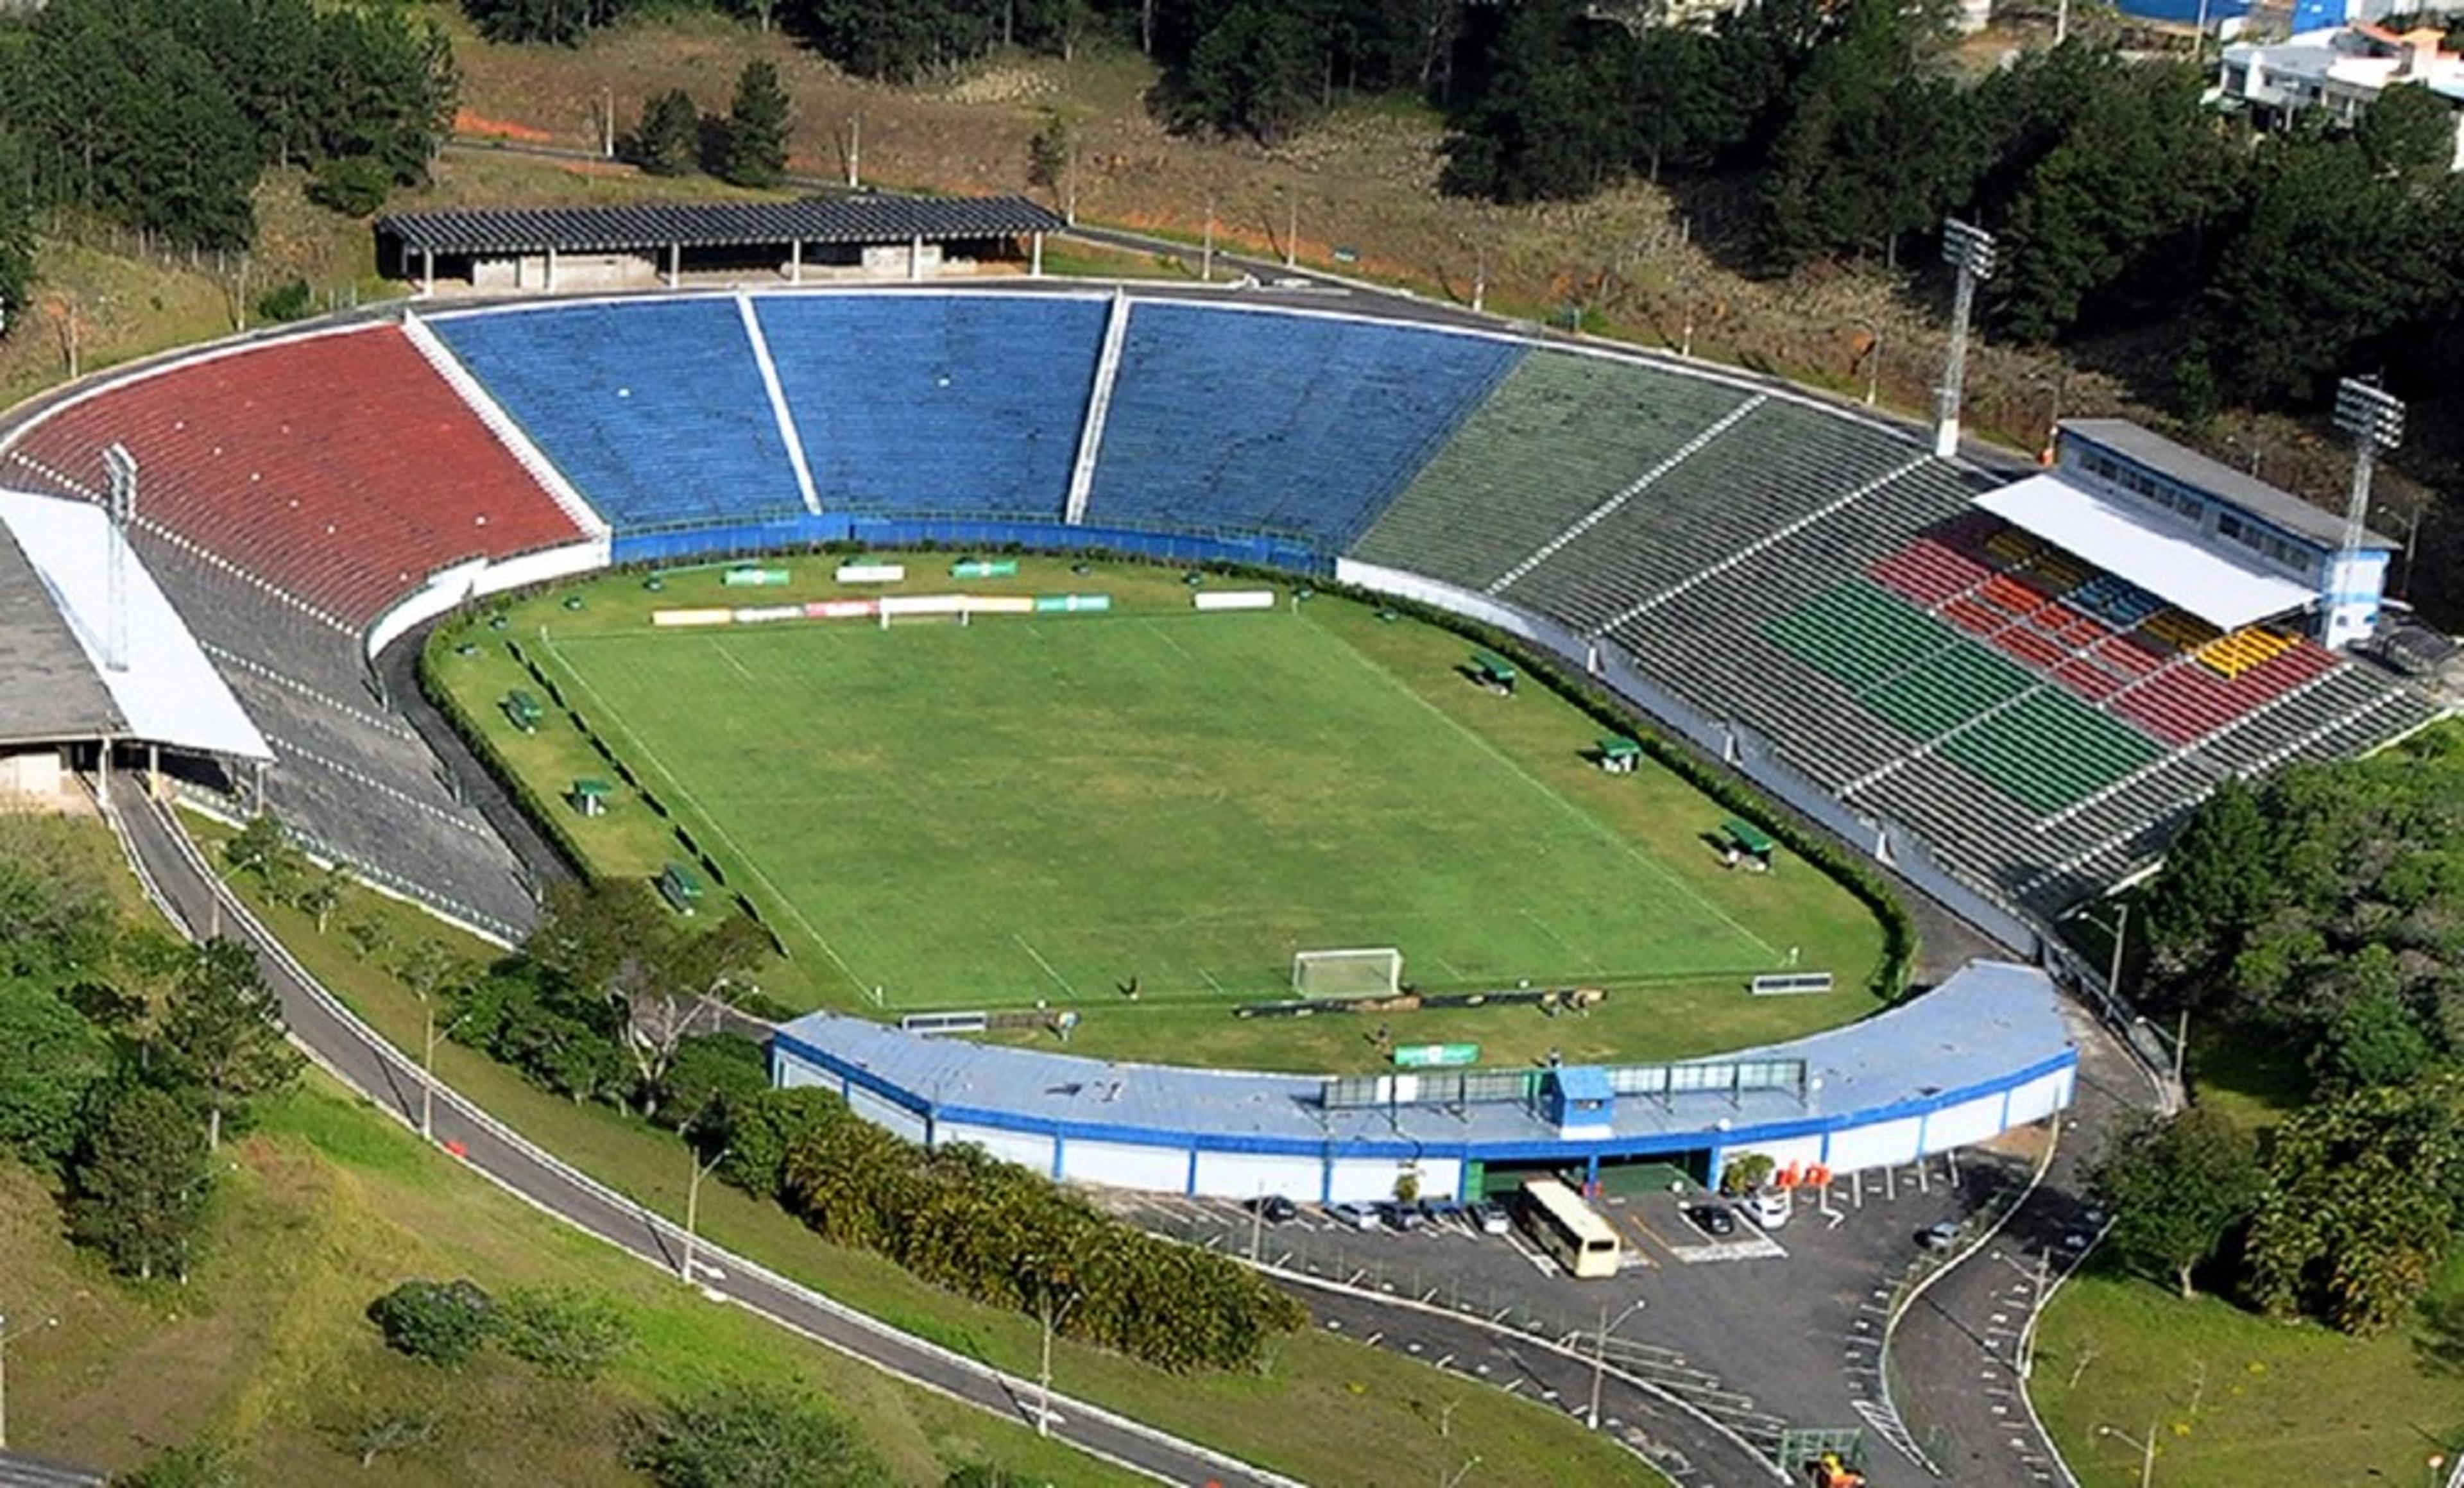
(1969, 250)
(119, 507)
(2375, 418)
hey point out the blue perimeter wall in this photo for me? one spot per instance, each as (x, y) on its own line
(683, 543)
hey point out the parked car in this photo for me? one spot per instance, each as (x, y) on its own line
(1358, 1216)
(1275, 1209)
(1399, 1215)
(1939, 1236)
(1439, 1210)
(1716, 1221)
(1767, 1208)
(1490, 1219)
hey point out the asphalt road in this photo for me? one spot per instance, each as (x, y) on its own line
(179, 880)
(1960, 1348)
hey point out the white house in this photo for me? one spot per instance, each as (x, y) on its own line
(2341, 69)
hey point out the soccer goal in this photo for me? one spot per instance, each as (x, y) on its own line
(1346, 974)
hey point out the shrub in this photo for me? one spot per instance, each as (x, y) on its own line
(443, 1323)
(749, 1436)
(290, 301)
(565, 1333)
(352, 184)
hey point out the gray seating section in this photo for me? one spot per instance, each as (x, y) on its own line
(1778, 463)
(1561, 435)
(351, 779)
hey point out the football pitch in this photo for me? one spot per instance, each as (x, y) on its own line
(1061, 809)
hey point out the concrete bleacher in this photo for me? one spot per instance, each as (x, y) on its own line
(1779, 462)
(938, 405)
(1562, 434)
(1304, 427)
(656, 412)
(341, 469)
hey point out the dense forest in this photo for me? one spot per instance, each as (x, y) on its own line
(159, 116)
(2315, 925)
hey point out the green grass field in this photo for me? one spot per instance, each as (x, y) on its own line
(1045, 809)
(1185, 800)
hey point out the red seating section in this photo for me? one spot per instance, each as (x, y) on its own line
(339, 468)
(2187, 701)
(2138, 678)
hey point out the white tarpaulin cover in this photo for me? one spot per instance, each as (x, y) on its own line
(2224, 589)
(169, 692)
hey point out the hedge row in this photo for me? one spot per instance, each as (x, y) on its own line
(1003, 1234)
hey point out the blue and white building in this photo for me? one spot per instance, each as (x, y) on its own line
(1988, 1051)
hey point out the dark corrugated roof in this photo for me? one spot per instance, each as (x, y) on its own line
(19, 1471)
(2271, 504)
(48, 691)
(813, 219)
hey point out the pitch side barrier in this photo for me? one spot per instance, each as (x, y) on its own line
(1255, 550)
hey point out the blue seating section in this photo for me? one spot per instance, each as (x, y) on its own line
(654, 410)
(2117, 601)
(936, 404)
(1258, 422)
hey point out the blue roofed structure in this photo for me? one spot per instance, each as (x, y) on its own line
(1988, 1050)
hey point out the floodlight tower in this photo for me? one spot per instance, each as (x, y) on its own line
(120, 506)
(2375, 418)
(1969, 250)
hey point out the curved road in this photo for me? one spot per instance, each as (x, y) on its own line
(180, 880)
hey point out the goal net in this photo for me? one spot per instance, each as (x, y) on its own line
(1346, 974)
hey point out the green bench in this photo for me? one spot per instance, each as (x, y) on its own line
(523, 710)
(680, 886)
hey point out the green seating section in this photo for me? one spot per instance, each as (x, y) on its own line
(2049, 750)
(1948, 690)
(1860, 634)
(1561, 434)
(2042, 747)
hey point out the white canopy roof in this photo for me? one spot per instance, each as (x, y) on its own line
(169, 692)
(2225, 589)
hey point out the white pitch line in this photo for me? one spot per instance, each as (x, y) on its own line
(1046, 965)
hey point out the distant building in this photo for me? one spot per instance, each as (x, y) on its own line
(2341, 68)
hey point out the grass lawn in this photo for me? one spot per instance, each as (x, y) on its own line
(322, 1209)
(1044, 808)
(1328, 1411)
(2236, 1399)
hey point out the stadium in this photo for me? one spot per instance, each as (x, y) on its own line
(2005, 692)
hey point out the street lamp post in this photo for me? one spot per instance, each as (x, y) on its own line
(1600, 1355)
(693, 1205)
(5, 1334)
(2147, 1449)
(427, 1067)
(1053, 1317)
(1969, 250)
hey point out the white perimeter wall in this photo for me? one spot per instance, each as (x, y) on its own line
(1024, 1149)
(466, 581)
(1254, 1175)
(1964, 1123)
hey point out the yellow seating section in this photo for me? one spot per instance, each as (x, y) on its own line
(2243, 650)
(2183, 632)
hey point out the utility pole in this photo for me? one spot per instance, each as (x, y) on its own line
(1206, 260)
(1052, 1318)
(855, 150)
(428, 1066)
(1971, 251)
(693, 1206)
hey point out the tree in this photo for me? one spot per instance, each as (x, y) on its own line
(1049, 156)
(52, 1057)
(263, 850)
(565, 1333)
(439, 1322)
(2409, 134)
(1255, 72)
(709, 1072)
(559, 22)
(55, 914)
(749, 1436)
(381, 1429)
(224, 1032)
(16, 232)
(2176, 1189)
(2361, 1204)
(755, 152)
(139, 1186)
(1747, 1172)
(324, 893)
(2215, 886)
(668, 143)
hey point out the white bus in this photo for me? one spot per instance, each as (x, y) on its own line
(1569, 1229)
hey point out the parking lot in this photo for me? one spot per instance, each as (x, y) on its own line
(1760, 1330)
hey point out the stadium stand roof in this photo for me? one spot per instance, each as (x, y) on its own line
(1987, 1020)
(48, 689)
(167, 693)
(814, 219)
(2225, 590)
(2271, 504)
(20, 1471)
